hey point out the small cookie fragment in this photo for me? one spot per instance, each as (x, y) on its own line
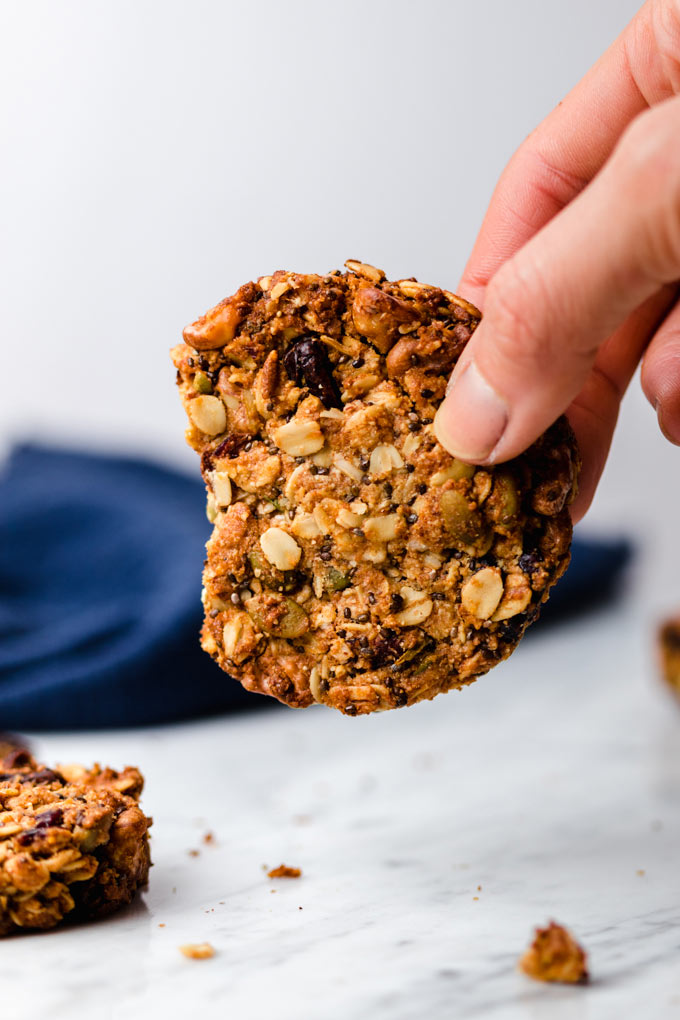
(555, 955)
(197, 950)
(283, 871)
(353, 561)
(669, 652)
(73, 842)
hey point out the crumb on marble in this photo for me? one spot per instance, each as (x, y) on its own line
(197, 950)
(640, 871)
(209, 838)
(554, 955)
(283, 871)
(193, 853)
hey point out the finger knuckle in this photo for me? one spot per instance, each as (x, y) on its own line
(648, 161)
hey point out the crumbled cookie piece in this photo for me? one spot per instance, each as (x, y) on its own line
(197, 950)
(283, 871)
(73, 842)
(555, 955)
(353, 561)
(669, 652)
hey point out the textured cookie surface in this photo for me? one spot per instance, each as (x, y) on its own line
(353, 561)
(73, 842)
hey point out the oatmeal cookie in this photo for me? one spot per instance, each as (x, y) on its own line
(353, 561)
(73, 842)
(669, 652)
(555, 955)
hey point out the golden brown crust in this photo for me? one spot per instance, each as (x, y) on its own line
(353, 561)
(555, 955)
(73, 842)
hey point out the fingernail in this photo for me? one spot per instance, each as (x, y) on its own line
(472, 418)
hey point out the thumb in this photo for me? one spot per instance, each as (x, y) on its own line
(550, 308)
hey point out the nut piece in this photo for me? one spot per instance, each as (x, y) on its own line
(214, 329)
(516, 597)
(364, 269)
(208, 414)
(221, 483)
(239, 638)
(482, 592)
(299, 438)
(378, 316)
(281, 549)
(197, 950)
(265, 384)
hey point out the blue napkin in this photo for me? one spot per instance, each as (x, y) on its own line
(100, 578)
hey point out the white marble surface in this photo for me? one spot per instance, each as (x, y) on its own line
(552, 783)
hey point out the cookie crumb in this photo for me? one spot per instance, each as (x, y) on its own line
(283, 871)
(555, 955)
(197, 950)
(209, 838)
(193, 853)
(668, 642)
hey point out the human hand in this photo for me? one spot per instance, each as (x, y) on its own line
(577, 262)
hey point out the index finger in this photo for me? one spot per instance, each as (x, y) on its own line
(568, 148)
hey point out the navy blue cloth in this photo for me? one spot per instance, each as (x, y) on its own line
(100, 578)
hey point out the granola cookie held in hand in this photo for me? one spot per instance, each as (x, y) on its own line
(353, 561)
(74, 842)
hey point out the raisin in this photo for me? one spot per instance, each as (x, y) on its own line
(307, 363)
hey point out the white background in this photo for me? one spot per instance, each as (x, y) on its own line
(158, 154)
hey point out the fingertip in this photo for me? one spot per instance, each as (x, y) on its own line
(472, 418)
